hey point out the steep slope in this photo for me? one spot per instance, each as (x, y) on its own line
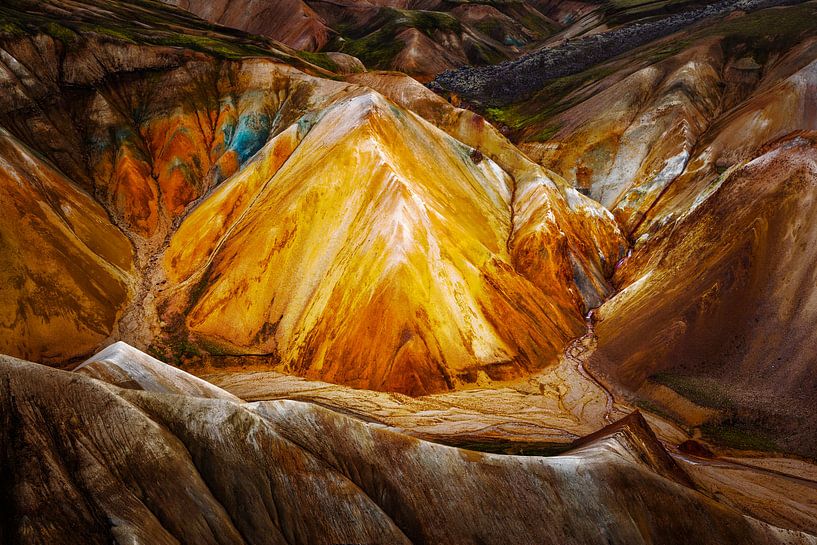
(631, 436)
(624, 145)
(308, 475)
(55, 309)
(403, 283)
(307, 222)
(631, 136)
(731, 336)
(537, 211)
(292, 22)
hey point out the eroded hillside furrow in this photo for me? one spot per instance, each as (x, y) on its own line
(579, 351)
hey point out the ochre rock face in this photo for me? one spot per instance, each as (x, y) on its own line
(126, 367)
(65, 271)
(377, 251)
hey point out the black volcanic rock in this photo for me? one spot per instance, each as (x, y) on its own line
(518, 79)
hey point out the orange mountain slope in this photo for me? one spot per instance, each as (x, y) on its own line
(345, 225)
(289, 217)
(65, 271)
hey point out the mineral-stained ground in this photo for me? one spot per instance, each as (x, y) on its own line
(408, 271)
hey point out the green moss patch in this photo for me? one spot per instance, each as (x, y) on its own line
(378, 49)
(739, 436)
(705, 392)
(319, 59)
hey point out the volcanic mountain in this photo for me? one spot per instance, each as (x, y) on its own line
(253, 290)
(701, 145)
(291, 218)
(421, 38)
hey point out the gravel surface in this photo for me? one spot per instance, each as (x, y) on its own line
(515, 80)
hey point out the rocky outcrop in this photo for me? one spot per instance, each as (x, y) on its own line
(287, 472)
(126, 367)
(518, 79)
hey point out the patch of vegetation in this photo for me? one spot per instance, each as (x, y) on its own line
(663, 51)
(623, 11)
(481, 53)
(491, 27)
(207, 44)
(639, 4)
(319, 59)
(548, 132)
(516, 448)
(9, 28)
(61, 33)
(654, 408)
(378, 49)
(790, 22)
(117, 34)
(211, 348)
(701, 391)
(541, 27)
(531, 116)
(428, 22)
(178, 350)
(739, 436)
(375, 50)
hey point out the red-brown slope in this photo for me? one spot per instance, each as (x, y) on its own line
(292, 22)
(721, 303)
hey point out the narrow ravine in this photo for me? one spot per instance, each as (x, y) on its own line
(578, 352)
